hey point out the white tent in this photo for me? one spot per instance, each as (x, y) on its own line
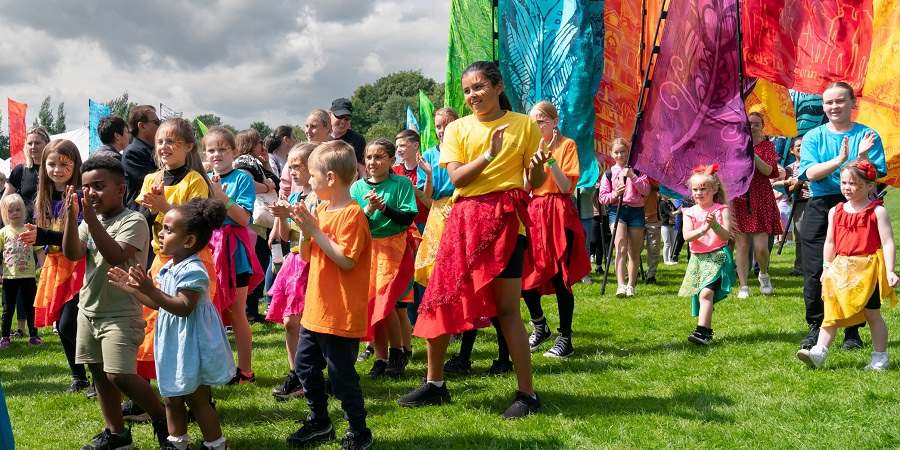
(79, 136)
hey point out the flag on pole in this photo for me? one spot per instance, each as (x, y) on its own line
(166, 112)
(427, 133)
(96, 111)
(16, 117)
(471, 39)
(411, 122)
(201, 127)
(694, 113)
(774, 102)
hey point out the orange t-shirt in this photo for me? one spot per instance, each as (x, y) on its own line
(336, 299)
(566, 156)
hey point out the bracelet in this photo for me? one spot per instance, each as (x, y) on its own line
(488, 156)
(826, 265)
(551, 162)
(229, 204)
(716, 226)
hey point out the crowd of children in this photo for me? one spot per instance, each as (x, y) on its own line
(441, 243)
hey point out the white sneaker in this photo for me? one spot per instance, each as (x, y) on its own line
(744, 292)
(621, 291)
(814, 358)
(587, 280)
(765, 284)
(629, 291)
(670, 263)
(879, 361)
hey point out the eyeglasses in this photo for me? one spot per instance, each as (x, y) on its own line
(155, 121)
(542, 122)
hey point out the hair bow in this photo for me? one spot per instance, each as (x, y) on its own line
(708, 169)
(867, 168)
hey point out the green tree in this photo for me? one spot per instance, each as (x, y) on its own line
(120, 106)
(299, 134)
(261, 128)
(45, 116)
(59, 126)
(4, 140)
(384, 102)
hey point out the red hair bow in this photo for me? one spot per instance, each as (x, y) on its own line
(707, 169)
(867, 168)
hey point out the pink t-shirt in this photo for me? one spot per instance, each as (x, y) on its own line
(635, 188)
(709, 241)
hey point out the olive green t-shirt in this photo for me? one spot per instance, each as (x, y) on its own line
(98, 298)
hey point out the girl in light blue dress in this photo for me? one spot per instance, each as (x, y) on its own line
(191, 349)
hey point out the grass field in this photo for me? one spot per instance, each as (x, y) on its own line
(635, 382)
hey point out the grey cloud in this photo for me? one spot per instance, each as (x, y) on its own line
(341, 11)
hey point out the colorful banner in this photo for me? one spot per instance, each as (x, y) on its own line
(16, 117)
(774, 103)
(694, 112)
(96, 111)
(805, 44)
(808, 110)
(879, 106)
(411, 122)
(553, 50)
(427, 132)
(471, 39)
(615, 104)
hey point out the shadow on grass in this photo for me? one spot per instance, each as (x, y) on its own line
(28, 380)
(470, 440)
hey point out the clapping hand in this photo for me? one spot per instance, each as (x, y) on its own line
(539, 159)
(424, 165)
(305, 218)
(844, 152)
(29, 236)
(90, 214)
(497, 140)
(280, 209)
(155, 200)
(215, 186)
(375, 202)
(868, 141)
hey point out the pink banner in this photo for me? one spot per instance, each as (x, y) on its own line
(16, 117)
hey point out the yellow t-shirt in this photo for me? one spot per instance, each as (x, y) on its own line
(566, 156)
(467, 139)
(190, 187)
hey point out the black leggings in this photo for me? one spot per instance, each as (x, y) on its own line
(565, 301)
(468, 342)
(67, 325)
(19, 291)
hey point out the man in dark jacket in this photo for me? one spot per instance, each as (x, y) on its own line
(138, 156)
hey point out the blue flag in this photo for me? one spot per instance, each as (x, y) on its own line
(411, 122)
(96, 111)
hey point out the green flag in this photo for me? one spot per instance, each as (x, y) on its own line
(471, 39)
(427, 133)
(201, 127)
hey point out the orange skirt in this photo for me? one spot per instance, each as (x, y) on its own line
(60, 281)
(552, 218)
(391, 276)
(146, 367)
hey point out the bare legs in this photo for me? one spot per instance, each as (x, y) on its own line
(628, 242)
(243, 337)
(291, 336)
(742, 254)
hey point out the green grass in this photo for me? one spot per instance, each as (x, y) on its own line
(634, 382)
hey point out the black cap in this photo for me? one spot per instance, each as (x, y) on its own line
(341, 107)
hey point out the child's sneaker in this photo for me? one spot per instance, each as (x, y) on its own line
(621, 291)
(241, 378)
(629, 291)
(499, 367)
(161, 431)
(366, 354)
(131, 412)
(357, 441)
(5, 342)
(814, 358)
(457, 365)
(426, 394)
(879, 361)
(701, 336)
(107, 440)
(540, 334)
(35, 340)
(77, 386)
(765, 284)
(743, 292)
(18, 333)
(378, 369)
(291, 388)
(312, 432)
(562, 348)
(522, 406)
(397, 362)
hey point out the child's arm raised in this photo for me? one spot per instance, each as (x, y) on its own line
(235, 211)
(464, 174)
(690, 233)
(886, 233)
(72, 247)
(310, 226)
(113, 251)
(828, 248)
(723, 229)
(139, 285)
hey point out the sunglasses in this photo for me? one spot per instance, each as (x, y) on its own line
(156, 121)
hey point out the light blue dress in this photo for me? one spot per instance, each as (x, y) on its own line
(190, 351)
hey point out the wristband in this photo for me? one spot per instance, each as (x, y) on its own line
(487, 156)
(826, 265)
(229, 204)
(716, 226)
(551, 162)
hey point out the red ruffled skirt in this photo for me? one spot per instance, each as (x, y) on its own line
(476, 246)
(390, 280)
(552, 217)
(60, 282)
(289, 289)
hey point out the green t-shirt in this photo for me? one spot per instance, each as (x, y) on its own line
(18, 258)
(98, 297)
(398, 193)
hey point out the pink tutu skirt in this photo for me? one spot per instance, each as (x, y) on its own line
(289, 289)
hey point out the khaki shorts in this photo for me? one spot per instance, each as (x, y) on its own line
(111, 341)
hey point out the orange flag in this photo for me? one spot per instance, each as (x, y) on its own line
(879, 106)
(774, 102)
(16, 114)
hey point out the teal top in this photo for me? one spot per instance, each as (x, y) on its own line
(398, 194)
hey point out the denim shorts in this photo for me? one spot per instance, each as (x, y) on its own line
(632, 217)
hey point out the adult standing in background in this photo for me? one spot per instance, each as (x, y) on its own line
(341, 112)
(114, 135)
(24, 177)
(137, 159)
(824, 151)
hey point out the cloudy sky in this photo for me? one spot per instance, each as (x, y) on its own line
(242, 60)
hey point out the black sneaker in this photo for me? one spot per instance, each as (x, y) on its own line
(522, 406)
(701, 336)
(311, 433)
(134, 413)
(289, 389)
(91, 392)
(378, 369)
(18, 333)
(77, 386)
(426, 394)
(650, 280)
(795, 272)
(540, 335)
(366, 354)
(161, 431)
(457, 365)
(107, 440)
(562, 348)
(852, 341)
(812, 337)
(500, 367)
(357, 441)
(397, 362)
(241, 378)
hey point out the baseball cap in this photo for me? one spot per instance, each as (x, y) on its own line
(341, 107)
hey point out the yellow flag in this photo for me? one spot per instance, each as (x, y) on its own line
(774, 102)
(879, 107)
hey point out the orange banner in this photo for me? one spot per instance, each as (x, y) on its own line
(774, 102)
(16, 118)
(879, 106)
